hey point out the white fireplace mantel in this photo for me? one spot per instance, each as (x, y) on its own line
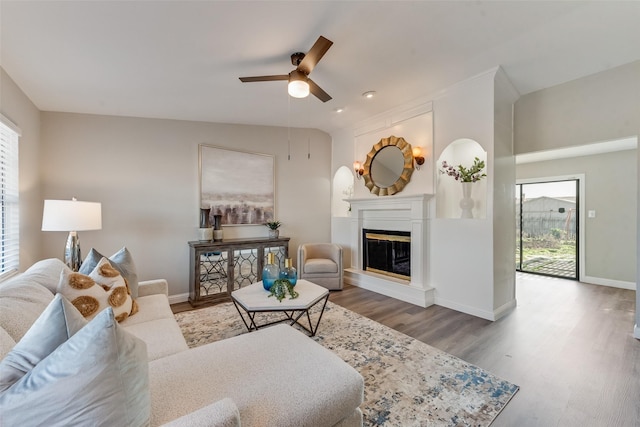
(396, 213)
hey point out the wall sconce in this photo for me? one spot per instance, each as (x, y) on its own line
(358, 169)
(418, 158)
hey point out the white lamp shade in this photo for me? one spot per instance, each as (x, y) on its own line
(71, 215)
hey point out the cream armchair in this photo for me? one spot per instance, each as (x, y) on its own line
(321, 263)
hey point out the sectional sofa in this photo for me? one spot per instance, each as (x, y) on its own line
(273, 377)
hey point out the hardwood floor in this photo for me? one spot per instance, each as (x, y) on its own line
(568, 345)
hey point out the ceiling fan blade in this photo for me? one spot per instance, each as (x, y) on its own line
(264, 78)
(318, 92)
(314, 55)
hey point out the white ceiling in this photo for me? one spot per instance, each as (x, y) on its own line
(182, 59)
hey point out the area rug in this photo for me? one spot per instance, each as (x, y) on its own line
(407, 382)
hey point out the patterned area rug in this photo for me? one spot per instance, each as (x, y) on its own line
(407, 382)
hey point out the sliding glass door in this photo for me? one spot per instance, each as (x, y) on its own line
(547, 228)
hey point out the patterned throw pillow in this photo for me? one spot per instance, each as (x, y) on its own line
(103, 287)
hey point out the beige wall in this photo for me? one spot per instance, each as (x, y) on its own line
(597, 108)
(611, 191)
(600, 107)
(15, 105)
(145, 174)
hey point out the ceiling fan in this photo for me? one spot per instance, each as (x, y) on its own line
(299, 82)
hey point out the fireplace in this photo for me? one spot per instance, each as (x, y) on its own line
(407, 216)
(387, 252)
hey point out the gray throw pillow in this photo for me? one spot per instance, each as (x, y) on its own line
(57, 323)
(121, 261)
(98, 377)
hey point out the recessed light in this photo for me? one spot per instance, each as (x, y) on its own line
(339, 110)
(370, 94)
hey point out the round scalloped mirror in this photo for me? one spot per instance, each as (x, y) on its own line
(389, 166)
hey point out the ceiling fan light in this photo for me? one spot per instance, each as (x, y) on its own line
(298, 89)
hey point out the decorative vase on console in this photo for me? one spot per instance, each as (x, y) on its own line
(289, 272)
(217, 227)
(205, 231)
(270, 272)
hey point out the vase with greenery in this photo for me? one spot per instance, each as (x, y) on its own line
(467, 176)
(463, 174)
(273, 228)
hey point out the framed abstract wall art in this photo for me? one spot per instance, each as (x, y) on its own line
(237, 185)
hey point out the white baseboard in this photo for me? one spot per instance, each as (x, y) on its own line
(504, 309)
(174, 299)
(484, 314)
(609, 282)
(407, 293)
(636, 331)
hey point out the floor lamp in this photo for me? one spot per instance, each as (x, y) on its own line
(72, 216)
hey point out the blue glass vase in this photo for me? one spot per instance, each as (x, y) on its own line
(289, 272)
(270, 272)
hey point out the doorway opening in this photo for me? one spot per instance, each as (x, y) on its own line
(547, 234)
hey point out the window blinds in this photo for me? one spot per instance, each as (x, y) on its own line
(9, 198)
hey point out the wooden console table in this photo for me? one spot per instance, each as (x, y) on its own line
(217, 268)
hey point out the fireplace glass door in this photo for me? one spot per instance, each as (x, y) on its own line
(387, 253)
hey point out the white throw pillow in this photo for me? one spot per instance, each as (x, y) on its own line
(121, 261)
(57, 323)
(99, 377)
(103, 287)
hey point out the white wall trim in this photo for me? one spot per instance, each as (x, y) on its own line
(636, 331)
(174, 299)
(609, 282)
(630, 143)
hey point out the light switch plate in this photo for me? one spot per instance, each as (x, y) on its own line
(591, 214)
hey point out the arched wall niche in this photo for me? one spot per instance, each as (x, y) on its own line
(342, 189)
(462, 151)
